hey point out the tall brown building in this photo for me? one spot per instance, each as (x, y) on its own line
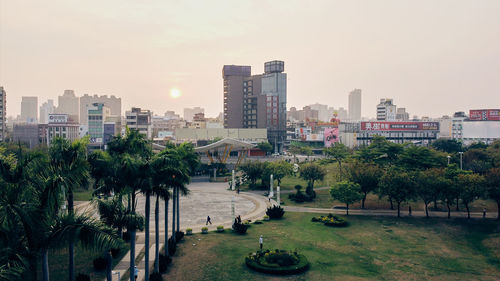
(256, 101)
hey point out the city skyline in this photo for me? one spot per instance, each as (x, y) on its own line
(431, 58)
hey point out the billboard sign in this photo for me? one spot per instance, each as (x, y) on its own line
(484, 115)
(399, 126)
(331, 136)
(58, 118)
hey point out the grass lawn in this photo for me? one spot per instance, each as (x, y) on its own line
(82, 194)
(58, 263)
(371, 248)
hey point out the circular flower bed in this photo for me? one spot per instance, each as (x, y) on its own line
(277, 262)
(331, 220)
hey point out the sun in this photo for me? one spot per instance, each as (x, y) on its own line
(175, 93)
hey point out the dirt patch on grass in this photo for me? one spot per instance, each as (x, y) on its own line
(493, 244)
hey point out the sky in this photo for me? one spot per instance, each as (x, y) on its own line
(433, 57)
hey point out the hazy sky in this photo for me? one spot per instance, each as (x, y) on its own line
(433, 57)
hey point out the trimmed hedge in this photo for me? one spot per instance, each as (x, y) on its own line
(300, 267)
(275, 212)
(331, 220)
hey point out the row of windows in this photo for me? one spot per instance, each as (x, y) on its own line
(95, 117)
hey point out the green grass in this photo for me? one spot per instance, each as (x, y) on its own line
(82, 194)
(371, 248)
(58, 263)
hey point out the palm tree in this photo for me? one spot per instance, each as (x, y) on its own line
(69, 162)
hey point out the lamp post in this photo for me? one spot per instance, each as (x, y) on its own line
(448, 159)
(271, 190)
(461, 153)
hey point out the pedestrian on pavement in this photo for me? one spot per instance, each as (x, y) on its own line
(136, 272)
(238, 191)
(208, 220)
(484, 213)
(261, 242)
(409, 210)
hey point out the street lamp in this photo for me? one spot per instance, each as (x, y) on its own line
(448, 159)
(461, 153)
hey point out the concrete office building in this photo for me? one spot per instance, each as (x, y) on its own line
(354, 107)
(27, 134)
(402, 115)
(190, 112)
(86, 101)
(386, 110)
(96, 116)
(257, 101)
(29, 110)
(61, 125)
(139, 119)
(45, 109)
(69, 104)
(3, 113)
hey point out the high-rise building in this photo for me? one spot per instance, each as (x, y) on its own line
(96, 116)
(29, 110)
(354, 109)
(26, 133)
(86, 101)
(386, 110)
(402, 115)
(139, 119)
(61, 125)
(190, 112)
(69, 104)
(257, 101)
(3, 113)
(46, 109)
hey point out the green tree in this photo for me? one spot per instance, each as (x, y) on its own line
(339, 152)
(450, 146)
(366, 175)
(429, 185)
(252, 170)
(398, 185)
(471, 187)
(492, 178)
(494, 153)
(311, 172)
(265, 146)
(418, 158)
(280, 169)
(69, 162)
(346, 192)
(477, 160)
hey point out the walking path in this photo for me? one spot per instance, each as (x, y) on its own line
(205, 199)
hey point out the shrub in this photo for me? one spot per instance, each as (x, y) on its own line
(82, 277)
(277, 262)
(172, 247)
(331, 220)
(179, 235)
(275, 212)
(189, 231)
(266, 217)
(257, 222)
(155, 276)
(220, 228)
(164, 262)
(126, 236)
(204, 230)
(99, 263)
(240, 228)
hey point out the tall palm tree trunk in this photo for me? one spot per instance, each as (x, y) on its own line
(71, 247)
(166, 228)
(157, 234)
(146, 254)
(33, 264)
(173, 214)
(109, 266)
(45, 265)
(178, 211)
(132, 254)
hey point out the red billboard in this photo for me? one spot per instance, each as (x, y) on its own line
(331, 136)
(484, 114)
(399, 126)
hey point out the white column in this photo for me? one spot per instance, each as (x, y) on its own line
(278, 195)
(271, 191)
(232, 182)
(215, 174)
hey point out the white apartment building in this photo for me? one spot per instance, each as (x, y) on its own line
(139, 119)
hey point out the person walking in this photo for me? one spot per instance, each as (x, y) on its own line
(409, 211)
(484, 213)
(208, 220)
(261, 242)
(136, 272)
